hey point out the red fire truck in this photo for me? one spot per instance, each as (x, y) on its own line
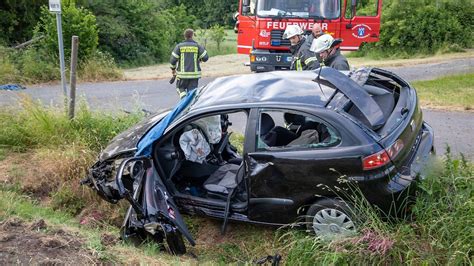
(261, 23)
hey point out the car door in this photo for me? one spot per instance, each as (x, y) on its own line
(364, 26)
(153, 211)
(284, 178)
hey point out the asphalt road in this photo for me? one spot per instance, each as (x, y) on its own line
(451, 128)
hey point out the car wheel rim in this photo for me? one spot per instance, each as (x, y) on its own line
(332, 223)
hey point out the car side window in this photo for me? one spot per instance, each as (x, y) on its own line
(280, 129)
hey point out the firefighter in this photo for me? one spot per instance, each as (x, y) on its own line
(303, 58)
(326, 47)
(316, 32)
(185, 63)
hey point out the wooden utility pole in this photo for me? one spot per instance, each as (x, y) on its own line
(72, 91)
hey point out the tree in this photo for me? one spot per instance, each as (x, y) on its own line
(75, 21)
(217, 34)
(18, 19)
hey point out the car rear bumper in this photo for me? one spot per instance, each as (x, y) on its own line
(395, 195)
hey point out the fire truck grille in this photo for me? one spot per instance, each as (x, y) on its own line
(277, 38)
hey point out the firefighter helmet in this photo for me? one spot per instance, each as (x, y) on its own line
(292, 30)
(324, 43)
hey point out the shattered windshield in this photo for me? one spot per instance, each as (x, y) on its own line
(322, 9)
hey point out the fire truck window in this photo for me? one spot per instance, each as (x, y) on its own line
(324, 8)
(367, 8)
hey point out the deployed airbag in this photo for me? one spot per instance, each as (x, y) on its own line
(194, 146)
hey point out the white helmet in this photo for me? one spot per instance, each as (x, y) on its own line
(323, 43)
(292, 30)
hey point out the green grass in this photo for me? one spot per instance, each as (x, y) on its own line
(37, 126)
(449, 91)
(228, 46)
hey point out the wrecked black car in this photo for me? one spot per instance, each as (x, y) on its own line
(265, 148)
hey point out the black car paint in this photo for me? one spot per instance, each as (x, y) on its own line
(126, 141)
(277, 189)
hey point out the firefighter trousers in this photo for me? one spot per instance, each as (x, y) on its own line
(185, 85)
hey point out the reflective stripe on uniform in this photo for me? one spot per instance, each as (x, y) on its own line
(203, 54)
(195, 61)
(181, 93)
(181, 64)
(298, 65)
(188, 75)
(175, 55)
(309, 60)
(172, 66)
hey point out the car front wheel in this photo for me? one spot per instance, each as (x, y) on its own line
(330, 219)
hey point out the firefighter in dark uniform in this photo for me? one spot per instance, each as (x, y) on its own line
(326, 47)
(185, 63)
(303, 58)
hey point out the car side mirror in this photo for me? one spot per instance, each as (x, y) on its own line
(245, 10)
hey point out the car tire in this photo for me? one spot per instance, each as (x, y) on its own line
(330, 219)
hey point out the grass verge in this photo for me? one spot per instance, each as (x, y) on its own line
(450, 92)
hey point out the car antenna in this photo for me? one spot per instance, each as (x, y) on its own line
(318, 80)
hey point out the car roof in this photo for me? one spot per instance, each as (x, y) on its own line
(288, 87)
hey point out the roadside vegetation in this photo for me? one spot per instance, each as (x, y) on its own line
(112, 38)
(43, 156)
(450, 92)
(421, 27)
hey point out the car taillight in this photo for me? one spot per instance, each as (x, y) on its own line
(376, 160)
(395, 148)
(382, 157)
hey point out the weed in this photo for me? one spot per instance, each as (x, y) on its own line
(68, 201)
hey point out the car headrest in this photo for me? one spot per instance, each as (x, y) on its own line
(267, 124)
(294, 119)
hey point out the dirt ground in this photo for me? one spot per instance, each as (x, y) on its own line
(232, 64)
(36, 244)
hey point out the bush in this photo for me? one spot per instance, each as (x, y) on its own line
(217, 34)
(37, 67)
(8, 72)
(99, 66)
(422, 27)
(75, 21)
(137, 32)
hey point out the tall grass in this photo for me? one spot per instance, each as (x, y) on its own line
(438, 230)
(60, 150)
(37, 126)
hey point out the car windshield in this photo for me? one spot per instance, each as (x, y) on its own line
(323, 9)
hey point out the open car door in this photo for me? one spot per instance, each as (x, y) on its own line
(152, 213)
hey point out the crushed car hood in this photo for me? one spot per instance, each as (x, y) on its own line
(127, 140)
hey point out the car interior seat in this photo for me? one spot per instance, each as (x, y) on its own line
(274, 135)
(224, 180)
(266, 134)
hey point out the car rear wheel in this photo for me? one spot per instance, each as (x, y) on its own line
(330, 218)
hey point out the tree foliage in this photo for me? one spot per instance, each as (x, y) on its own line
(209, 12)
(411, 27)
(17, 19)
(75, 21)
(217, 34)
